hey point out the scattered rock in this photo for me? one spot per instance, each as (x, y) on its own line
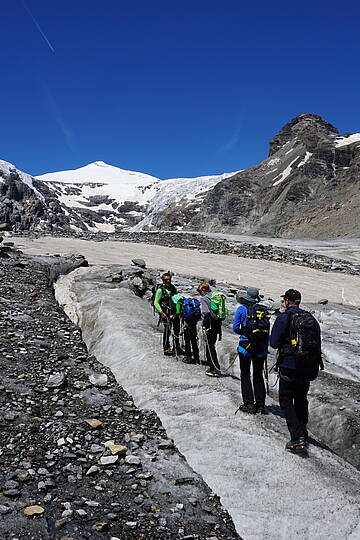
(33, 510)
(56, 380)
(139, 262)
(99, 379)
(93, 422)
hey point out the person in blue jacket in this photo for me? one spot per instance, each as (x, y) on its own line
(292, 389)
(253, 391)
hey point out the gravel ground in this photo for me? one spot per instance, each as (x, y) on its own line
(78, 459)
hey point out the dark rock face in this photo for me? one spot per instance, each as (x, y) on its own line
(308, 187)
(309, 128)
(24, 207)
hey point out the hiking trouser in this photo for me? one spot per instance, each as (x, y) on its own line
(294, 403)
(252, 391)
(210, 350)
(191, 344)
(174, 326)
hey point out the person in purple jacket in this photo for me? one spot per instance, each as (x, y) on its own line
(253, 391)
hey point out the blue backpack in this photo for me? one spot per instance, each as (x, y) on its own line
(191, 310)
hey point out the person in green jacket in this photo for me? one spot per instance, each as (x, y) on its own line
(168, 314)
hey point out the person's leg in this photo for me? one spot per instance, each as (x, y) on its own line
(286, 400)
(245, 381)
(176, 331)
(301, 406)
(194, 344)
(258, 382)
(187, 340)
(211, 356)
(166, 333)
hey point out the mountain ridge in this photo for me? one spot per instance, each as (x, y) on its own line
(307, 186)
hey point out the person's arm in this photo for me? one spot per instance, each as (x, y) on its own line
(205, 311)
(278, 332)
(239, 320)
(157, 306)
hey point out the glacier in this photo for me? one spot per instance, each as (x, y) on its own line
(269, 493)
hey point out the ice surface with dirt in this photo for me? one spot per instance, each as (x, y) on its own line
(269, 493)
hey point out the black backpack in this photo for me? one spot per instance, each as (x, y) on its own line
(167, 305)
(305, 345)
(257, 328)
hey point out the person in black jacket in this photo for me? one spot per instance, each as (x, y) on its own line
(293, 389)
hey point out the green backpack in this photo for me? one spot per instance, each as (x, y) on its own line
(218, 306)
(178, 299)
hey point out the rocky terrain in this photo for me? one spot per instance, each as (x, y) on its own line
(307, 187)
(78, 459)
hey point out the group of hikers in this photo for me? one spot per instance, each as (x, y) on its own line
(295, 334)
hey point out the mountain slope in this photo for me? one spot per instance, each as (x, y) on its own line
(97, 197)
(308, 186)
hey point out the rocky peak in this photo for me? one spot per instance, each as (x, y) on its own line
(310, 129)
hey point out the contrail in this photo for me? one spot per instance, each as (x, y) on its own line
(38, 26)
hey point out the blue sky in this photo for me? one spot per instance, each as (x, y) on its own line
(172, 89)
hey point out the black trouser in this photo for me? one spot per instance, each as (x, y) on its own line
(294, 403)
(252, 390)
(171, 325)
(212, 334)
(190, 339)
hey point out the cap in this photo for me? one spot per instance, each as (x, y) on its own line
(293, 295)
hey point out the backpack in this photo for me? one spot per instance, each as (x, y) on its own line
(257, 328)
(217, 307)
(191, 310)
(305, 345)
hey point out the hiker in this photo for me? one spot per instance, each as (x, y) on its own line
(166, 308)
(296, 367)
(252, 324)
(211, 331)
(191, 314)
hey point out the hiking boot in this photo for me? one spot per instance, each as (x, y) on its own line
(250, 409)
(188, 360)
(259, 409)
(211, 373)
(168, 352)
(296, 445)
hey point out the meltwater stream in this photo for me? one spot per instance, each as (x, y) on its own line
(269, 493)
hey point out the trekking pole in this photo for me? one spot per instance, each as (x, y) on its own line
(266, 373)
(203, 332)
(210, 355)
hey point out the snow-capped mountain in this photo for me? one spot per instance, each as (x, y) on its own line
(308, 186)
(97, 197)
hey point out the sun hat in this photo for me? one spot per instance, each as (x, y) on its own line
(250, 295)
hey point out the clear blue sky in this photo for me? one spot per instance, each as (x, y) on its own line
(182, 88)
